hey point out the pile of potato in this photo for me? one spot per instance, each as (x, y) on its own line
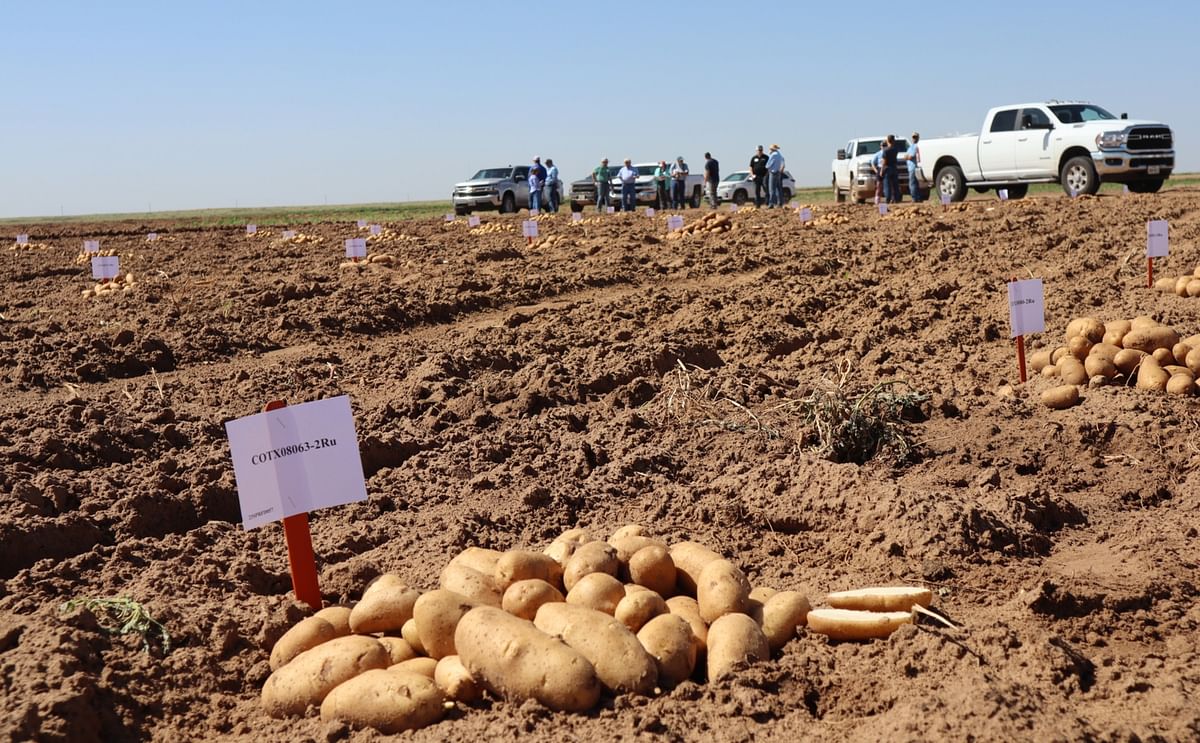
(374, 259)
(1140, 350)
(300, 238)
(584, 617)
(260, 234)
(1187, 285)
(826, 219)
(119, 285)
(553, 241)
(31, 245)
(84, 258)
(712, 222)
(492, 228)
(589, 220)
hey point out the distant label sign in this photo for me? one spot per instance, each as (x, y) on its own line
(1026, 307)
(105, 267)
(361, 223)
(22, 239)
(1125, 190)
(91, 246)
(674, 222)
(529, 228)
(356, 247)
(251, 229)
(449, 217)
(576, 217)
(945, 200)
(1157, 232)
(733, 207)
(289, 234)
(1003, 193)
(472, 221)
(883, 210)
(152, 236)
(296, 459)
(533, 212)
(610, 209)
(377, 230)
(806, 214)
(649, 211)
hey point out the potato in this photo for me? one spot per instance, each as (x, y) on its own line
(412, 636)
(1039, 360)
(1151, 376)
(575, 536)
(639, 607)
(388, 701)
(669, 640)
(632, 588)
(1192, 340)
(1192, 361)
(1079, 347)
(1089, 328)
(523, 598)
(520, 565)
(1193, 288)
(593, 557)
(849, 624)
(781, 615)
(452, 677)
(560, 552)
(1164, 284)
(690, 558)
(1179, 352)
(1114, 337)
(471, 583)
(1181, 284)
(420, 666)
(1059, 398)
(628, 545)
(1163, 356)
(653, 568)
(436, 614)
(304, 635)
(687, 609)
(514, 659)
(1105, 351)
(1071, 371)
(1058, 354)
(621, 663)
(734, 639)
(762, 593)
(1143, 321)
(1150, 339)
(1174, 369)
(599, 591)
(398, 649)
(1127, 361)
(1181, 384)
(721, 589)
(478, 559)
(888, 598)
(1118, 326)
(1050, 372)
(1094, 365)
(339, 617)
(629, 530)
(1196, 273)
(386, 605)
(314, 673)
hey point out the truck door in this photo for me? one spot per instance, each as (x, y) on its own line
(845, 167)
(997, 147)
(1033, 149)
(521, 185)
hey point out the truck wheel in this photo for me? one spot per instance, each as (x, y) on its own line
(1150, 186)
(1018, 191)
(739, 196)
(462, 211)
(787, 195)
(839, 196)
(1079, 176)
(696, 196)
(950, 182)
(508, 205)
(576, 206)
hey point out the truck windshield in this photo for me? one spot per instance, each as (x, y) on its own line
(645, 169)
(492, 173)
(741, 175)
(1076, 113)
(869, 147)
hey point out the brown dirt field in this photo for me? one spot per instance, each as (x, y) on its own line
(504, 393)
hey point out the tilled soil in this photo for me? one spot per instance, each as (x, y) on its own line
(505, 392)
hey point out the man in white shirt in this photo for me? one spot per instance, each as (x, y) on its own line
(628, 177)
(913, 159)
(553, 186)
(679, 174)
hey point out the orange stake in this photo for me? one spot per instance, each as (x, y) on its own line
(1021, 356)
(302, 562)
(1149, 273)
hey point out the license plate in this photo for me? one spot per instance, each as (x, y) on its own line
(1153, 170)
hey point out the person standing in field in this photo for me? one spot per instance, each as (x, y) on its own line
(891, 176)
(758, 170)
(662, 181)
(601, 176)
(553, 187)
(537, 177)
(913, 160)
(679, 174)
(628, 177)
(775, 163)
(712, 175)
(877, 169)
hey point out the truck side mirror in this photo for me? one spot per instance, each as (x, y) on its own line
(1124, 116)
(841, 155)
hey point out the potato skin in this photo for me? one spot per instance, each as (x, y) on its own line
(1094, 365)
(1060, 398)
(722, 588)
(653, 568)
(1088, 328)
(1149, 339)
(1071, 371)
(599, 591)
(436, 614)
(1127, 360)
(339, 617)
(622, 664)
(629, 530)
(1151, 375)
(304, 635)
(517, 661)
(518, 565)
(1163, 356)
(386, 700)
(852, 624)
(314, 673)
(455, 681)
(478, 559)
(1039, 360)
(469, 582)
(781, 615)
(523, 598)
(668, 639)
(386, 605)
(1192, 361)
(1105, 351)
(638, 608)
(1181, 384)
(420, 666)
(1079, 347)
(733, 639)
(398, 650)
(687, 609)
(627, 546)
(412, 636)
(593, 557)
(690, 558)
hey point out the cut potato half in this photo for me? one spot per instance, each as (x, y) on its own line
(892, 598)
(848, 624)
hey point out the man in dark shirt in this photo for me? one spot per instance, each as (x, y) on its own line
(712, 175)
(891, 176)
(758, 169)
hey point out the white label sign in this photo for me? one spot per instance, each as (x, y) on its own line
(529, 228)
(674, 222)
(533, 212)
(472, 221)
(1003, 193)
(152, 236)
(449, 217)
(1157, 231)
(733, 207)
(91, 246)
(251, 229)
(649, 211)
(356, 247)
(289, 234)
(361, 223)
(105, 267)
(883, 210)
(1125, 190)
(296, 459)
(610, 210)
(1026, 307)
(22, 239)
(377, 230)
(806, 214)
(576, 217)
(945, 200)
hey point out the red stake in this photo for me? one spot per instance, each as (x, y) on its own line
(301, 560)
(1021, 356)
(1149, 273)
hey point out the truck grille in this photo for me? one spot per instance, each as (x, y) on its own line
(1149, 138)
(1143, 162)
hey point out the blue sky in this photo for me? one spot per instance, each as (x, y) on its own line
(128, 106)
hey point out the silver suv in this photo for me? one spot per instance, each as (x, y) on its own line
(506, 189)
(739, 187)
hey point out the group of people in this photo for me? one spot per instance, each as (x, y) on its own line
(886, 164)
(542, 177)
(767, 172)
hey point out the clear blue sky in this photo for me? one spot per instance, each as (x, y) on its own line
(122, 106)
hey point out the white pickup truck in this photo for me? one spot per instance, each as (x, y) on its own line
(1079, 145)
(853, 175)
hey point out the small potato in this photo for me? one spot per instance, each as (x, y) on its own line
(1181, 284)
(1071, 371)
(304, 635)
(398, 649)
(1113, 337)
(388, 701)
(1164, 284)
(1098, 365)
(519, 565)
(455, 681)
(339, 617)
(1118, 326)
(314, 673)
(690, 558)
(471, 583)
(412, 636)
(653, 568)
(1192, 361)
(1180, 352)
(734, 639)
(687, 609)
(668, 639)
(639, 607)
(436, 614)
(1163, 356)
(517, 661)
(593, 557)
(1193, 288)
(1050, 372)
(721, 589)
(628, 545)
(1127, 360)
(1151, 375)
(1079, 347)
(386, 605)
(1181, 384)
(621, 663)
(1105, 351)
(1059, 398)
(523, 598)
(420, 666)
(478, 559)
(599, 591)
(782, 614)
(1039, 360)
(629, 530)
(1058, 354)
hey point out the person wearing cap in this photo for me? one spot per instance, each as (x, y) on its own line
(628, 177)
(679, 174)
(758, 169)
(891, 175)
(712, 175)
(601, 176)
(553, 187)
(537, 178)
(912, 158)
(662, 180)
(775, 163)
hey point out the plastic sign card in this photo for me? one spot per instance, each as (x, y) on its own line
(649, 211)
(289, 234)
(945, 200)
(296, 459)
(733, 207)
(529, 228)
(251, 229)
(356, 247)
(1125, 190)
(883, 210)
(534, 212)
(1003, 194)
(377, 230)
(576, 217)
(1026, 307)
(105, 267)
(361, 223)
(1156, 238)
(91, 246)
(674, 222)
(472, 221)
(22, 239)
(806, 214)
(151, 237)
(610, 210)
